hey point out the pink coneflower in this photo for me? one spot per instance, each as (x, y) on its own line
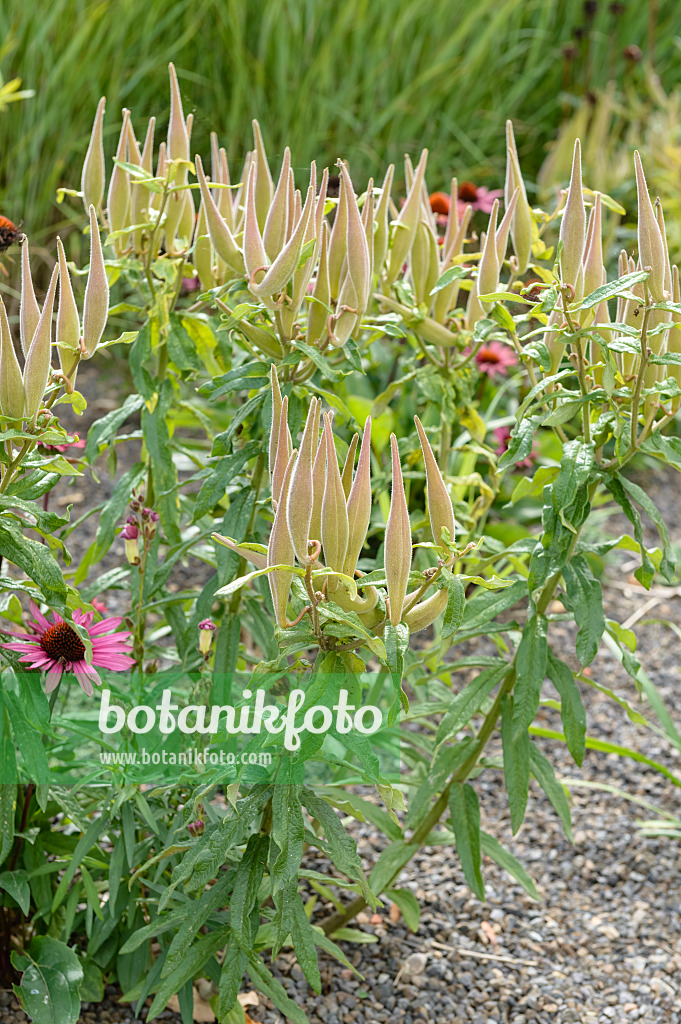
(503, 436)
(99, 605)
(55, 646)
(477, 197)
(76, 443)
(495, 358)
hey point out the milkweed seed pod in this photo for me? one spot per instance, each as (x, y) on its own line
(221, 237)
(276, 420)
(177, 149)
(632, 318)
(602, 316)
(359, 504)
(440, 511)
(300, 496)
(282, 269)
(335, 527)
(338, 241)
(12, 395)
(68, 319)
(622, 269)
(445, 299)
(573, 226)
(29, 310)
(424, 264)
(382, 221)
(318, 484)
(93, 176)
(651, 248)
(554, 341)
(474, 308)
(39, 358)
(140, 196)
(397, 545)
(501, 237)
(452, 227)
(593, 253)
(282, 453)
(118, 198)
(659, 216)
(202, 256)
(674, 340)
(349, 466)
(368, 224)
(521, 224)
(264, 187)
(302, 275)
(488, 276)
(96, 306)
(274, 234)
(407, 222)
(255, 257)
(424, 614)
(155, 201)
(280, 550)
(358, 264)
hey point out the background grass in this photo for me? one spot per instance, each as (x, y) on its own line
(368, 80)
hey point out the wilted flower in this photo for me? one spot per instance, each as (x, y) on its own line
(56, 646)
(206, 629)
(130, 534)
(495, 358)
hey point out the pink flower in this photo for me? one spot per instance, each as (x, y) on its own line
(99, 605)
(495, 358)
(55, 646)
(478, 198)
(503, 436)
(76, 443)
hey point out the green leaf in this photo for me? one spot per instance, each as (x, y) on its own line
(543, 772)
(114, 509)
(195, 916)
(29, 741)
(396, 640)
(501, 856)
(34, 558)
(275, 991)
(607, 291)
(181, 348)
(231, 976)
(453, 274)
(468, 701)
(52, 974)
(157, 440)
(16, 884)
(572, 711)
(516, 750)
(249, 875)
(456, 604)
(408, 906)
(214, 487)
(520, 444)
(390, 862)
(646, 571)
(531, 661)
(139, 356)
(465, 811)
(575, 468)
(102, 431)
(484, 608)
(585, 601)
(194, 961)
(667, 565)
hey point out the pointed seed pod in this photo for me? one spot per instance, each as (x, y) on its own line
(280, 550)
(424, 614)
(674, 340)
(659, 216)
(318, 313)
(440, 511)
(276, 419)
(334, 510)
(118, 198)
(274, 234)
(521, 224)
(221, 237)
(93, 176)
(12, 396)
(488, 276)
(338, 241)
(651, 248)
(96, 306)
(397, 545)
(407, 222)
(300, 496)
(318, 484)
(281, 271)
(255, 257)
(264, 186)
(593, 255)
(39, 358)
(359, 503)
(504, 228)
(68, 320)
(359, 267)
(29, 310)
(202, 256)
(348, 466)
(282, 453)
(382, 222)
(573, 224)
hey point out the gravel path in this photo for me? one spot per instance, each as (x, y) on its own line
(604, 945)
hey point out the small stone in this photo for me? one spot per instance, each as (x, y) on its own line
(416, 963)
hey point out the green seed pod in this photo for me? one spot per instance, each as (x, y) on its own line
(632, 318)
(334, 510)
(554, 341)
(39, 358)
(501, 238)
(348, 466)
(281, 271)
(224, 198)
(280, 550)
(602, 316)
(318, 484)
(424, 263)
(338, 241)
(68, 320)
(118, 198)
(407, 222)
(255, 257)
(94, 172)
(659, 216)
(155, 200)
(397, 545)
(276, 419)
(221, 237)
(358, 605)
(674, 340)
(256, 558)
(368, 224)
(300, 497)
(202, 257)
(264, 187)
(651, 249)
(177, 149)
(359, 503)
(96, 306)
(318, 313)
(593, 253)
(440, 511)
(452, 229)
(274, 234)
(488, 275)
(12, 396)
(445, 299)
(474, 308)
(521, 225)
(573, 225)
(622, 269)
(359, 267)
(423, 614)
(140, 197)
(29, 310)
(303, 273)
(282, 453)
(382, 222)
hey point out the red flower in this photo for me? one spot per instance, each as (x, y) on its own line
(503, 436)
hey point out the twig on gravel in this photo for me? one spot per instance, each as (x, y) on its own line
(486, 956)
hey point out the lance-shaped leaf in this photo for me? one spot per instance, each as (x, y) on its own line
(488, 276)
(96, 306)
(255, 257)
(397, 546)
(118, 198)
(12, 397)
(359, 267)
(407, 222)
(504, 227)
(651, 248)
(334, 511)
(274, 234)
(39, 358)
(593, 253)
(264, 186)
(282, 453)
(382, 221)
(424, 614)
(221, 237)
(92, 179)
(284, 266)
(440, 511)
(521, 224)
(280, 550)
(573, 225)
(68, 320)
(300, 497)
(29, 310)
(359, 503)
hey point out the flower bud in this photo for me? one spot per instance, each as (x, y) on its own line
(423, 614)
(196, 828)
(68, 320)
(221, 237)
(280, 549)
(407, 222)
(300, 497)
(12, 397)
(397, 545)
(334, 510)
(264, 187)
(651, 249)
(29, 310)
(206, 629)
(382, 222)
(118, 198)
(488, 276)
(274, 234)
(573, 225)
(96, 306)
(440, 511)
(94, 173)
(521, 224)
(359, 504)
(39, 358)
